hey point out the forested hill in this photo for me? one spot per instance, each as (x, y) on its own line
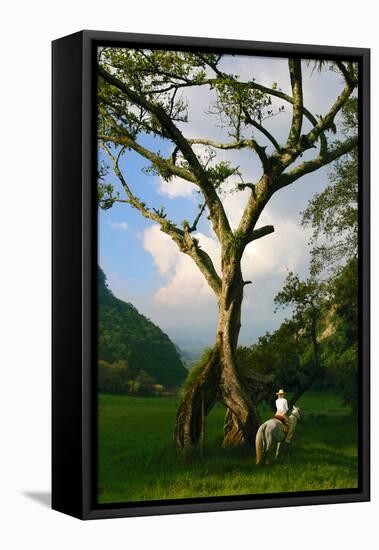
(126, 335)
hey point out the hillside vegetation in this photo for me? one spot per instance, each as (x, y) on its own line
(133, 352)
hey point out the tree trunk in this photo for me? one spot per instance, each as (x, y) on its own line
(299, 392)
(259, 387)
(220, 379)
(243, 418)
(317, 370)
(199, 399)
(235, 434)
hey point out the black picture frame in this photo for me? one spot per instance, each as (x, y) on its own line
(74, 276)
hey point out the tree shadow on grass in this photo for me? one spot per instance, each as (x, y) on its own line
(322, 455)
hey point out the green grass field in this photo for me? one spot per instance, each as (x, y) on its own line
(137, 460)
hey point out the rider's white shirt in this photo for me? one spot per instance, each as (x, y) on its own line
(281, 405)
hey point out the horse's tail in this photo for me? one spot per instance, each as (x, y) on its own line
(259, 444)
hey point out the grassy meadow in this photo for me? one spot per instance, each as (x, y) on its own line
(137, 460)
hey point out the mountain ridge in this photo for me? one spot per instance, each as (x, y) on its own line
(126, 334)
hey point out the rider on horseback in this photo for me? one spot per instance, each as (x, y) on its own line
(282, 409)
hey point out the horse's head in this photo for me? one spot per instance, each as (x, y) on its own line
(297, 412)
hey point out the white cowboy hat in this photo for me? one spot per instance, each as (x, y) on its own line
(280, 392)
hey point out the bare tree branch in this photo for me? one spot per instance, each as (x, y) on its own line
(191, 247)
(132, 199)
(183, 239)
(219, 219)
(294, 66)
(261, 128)
(197, 219)
(240, 144)
(327, 122)
(346, 74)
(259, 196)
(260, 232)
(166, 165)
(318, 162)
(270, 91)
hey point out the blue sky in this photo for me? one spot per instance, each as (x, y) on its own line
(145, 268)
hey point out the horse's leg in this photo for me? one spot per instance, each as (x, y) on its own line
(268, 446)
(277, 450)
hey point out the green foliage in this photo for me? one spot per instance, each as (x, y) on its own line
(106, 195)
(307, 299)
(126, 335)
(327, 311)
(197, 368)
(220, 172)
(159, 169)
(341, 350)
(280, 353)
(116, 378)
(300, 294)
(235, 243)
(145, 383)
(113, 378)
(333, 213)
(236, 100)
(153, 74)
(344, 289)
(161, 78)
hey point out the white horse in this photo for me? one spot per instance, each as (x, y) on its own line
(272, 432)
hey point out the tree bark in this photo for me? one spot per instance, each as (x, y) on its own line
(244, 420)
(300, 391)
(198, 401)
(259, 387)
(220, 378)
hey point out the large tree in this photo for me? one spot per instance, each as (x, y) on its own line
(143, 92)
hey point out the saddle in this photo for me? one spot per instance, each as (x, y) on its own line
(284, 426)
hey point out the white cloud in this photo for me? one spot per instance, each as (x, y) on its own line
(185, 286)
(120, 225)
(234, 203)
(265, 262)
(274, 254)
(212, 247)
(176, 187)
(164, 251)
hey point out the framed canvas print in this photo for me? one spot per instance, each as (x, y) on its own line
(210, 274)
